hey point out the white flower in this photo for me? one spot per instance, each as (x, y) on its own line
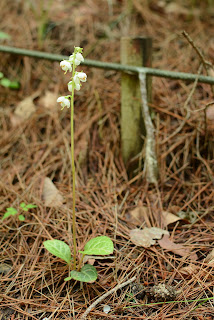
(66, 66)
(82, 76)
(64, 102)
(76, 79)
(76, 86)
(78, 59)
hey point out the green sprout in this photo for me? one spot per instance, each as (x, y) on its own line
(12, 211)
(5, 82)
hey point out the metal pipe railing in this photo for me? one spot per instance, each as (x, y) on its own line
(111, 66)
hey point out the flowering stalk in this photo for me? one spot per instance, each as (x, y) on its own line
(68, 101)
(73, 169)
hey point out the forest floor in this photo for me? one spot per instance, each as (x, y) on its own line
(34, 146)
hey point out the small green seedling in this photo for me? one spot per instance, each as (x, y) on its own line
(5, 82)
(101, 245)
(12, 211)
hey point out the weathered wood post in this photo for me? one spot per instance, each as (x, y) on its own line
(135, 52)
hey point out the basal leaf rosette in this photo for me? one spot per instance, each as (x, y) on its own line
(99, 246)
(88, 273)
(59, 249)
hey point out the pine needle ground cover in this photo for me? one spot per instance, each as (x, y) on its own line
(174, 273)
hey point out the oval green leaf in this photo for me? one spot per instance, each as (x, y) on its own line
(31, 206)
(10, 212)
(88, 273)
(14, 85)
(101, 245)
(5, 82)
(59, 249)
(21, 217)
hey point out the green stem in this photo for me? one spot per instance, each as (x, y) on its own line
(73, 169)
(80, 263)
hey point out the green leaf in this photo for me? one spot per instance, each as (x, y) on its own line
(1, 75)
(88, 273)
(31, 206)
(21, 217)
(25, 206)
(4, 36)
(9, 212)
(22, 205)
(58, 248)
(25, 209)
(14, 85)
(5, 82)
(101, 245)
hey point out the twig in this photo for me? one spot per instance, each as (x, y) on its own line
(186, 108)
(150, 156)
(206, 63)
(119, 286)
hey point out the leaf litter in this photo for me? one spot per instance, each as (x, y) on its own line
(147, 236)
(39, 146)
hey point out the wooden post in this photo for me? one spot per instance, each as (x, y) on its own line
(135, 52)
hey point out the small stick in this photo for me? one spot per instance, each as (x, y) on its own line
(119, 286)
(206, 63)
(151, 166)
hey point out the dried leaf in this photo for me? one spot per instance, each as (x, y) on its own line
(145, 237)
(176, 248)
(189, 270)
(48, 101)
(25, 108)
(139, 215)
(51, 195)
(169, 218)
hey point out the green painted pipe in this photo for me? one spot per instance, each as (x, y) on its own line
(111, 66)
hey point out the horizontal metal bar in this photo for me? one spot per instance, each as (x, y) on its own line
(111, 66)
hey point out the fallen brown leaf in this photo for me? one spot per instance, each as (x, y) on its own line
(26, 107)
(51, 195)
(176, 248)
(147, 236)
(189, 270)
(48, 101)
(169, 218)
(139, 215)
